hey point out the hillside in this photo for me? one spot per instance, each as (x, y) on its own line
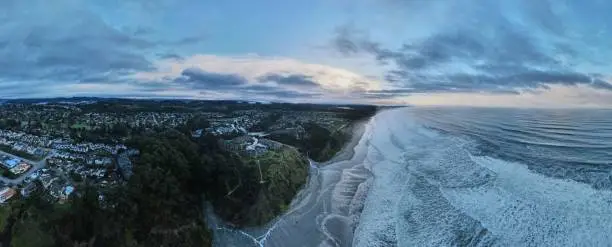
(265, 189)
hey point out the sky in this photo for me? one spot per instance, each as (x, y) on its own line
(524, 53)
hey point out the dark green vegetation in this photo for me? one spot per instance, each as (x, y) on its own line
(10, 124)
(5, 172)
(162, 203)
(261, 187)
(321, 144)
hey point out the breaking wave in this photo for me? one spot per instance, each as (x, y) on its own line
(443, 178)
(456, 177)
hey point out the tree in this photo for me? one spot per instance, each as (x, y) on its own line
(76, 177)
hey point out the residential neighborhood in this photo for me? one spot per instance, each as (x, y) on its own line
(54, 146)
(57, 163)
(69, 164)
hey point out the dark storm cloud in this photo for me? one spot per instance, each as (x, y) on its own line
(598, 83)
(170, 56)
(275, 91)
(544, 14)
(498, 55)
(196, 79)
(74, 44)
(289, 80)
(288, 94)
(188, 40)
(430, 88)
(345, 41)
(512, 48)
(141, 30)
(435, 50)
(72, 52)
(199, 79)
(12, 89)
(509, 83)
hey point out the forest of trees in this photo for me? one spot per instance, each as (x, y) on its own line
(162, 203)
(320, 144)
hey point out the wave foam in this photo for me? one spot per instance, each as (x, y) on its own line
(429, 191)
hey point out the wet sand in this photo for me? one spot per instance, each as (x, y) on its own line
(324, 213)
(347, 152)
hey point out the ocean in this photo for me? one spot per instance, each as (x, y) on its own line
(428, 176)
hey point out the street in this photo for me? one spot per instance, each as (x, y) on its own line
(35, 166)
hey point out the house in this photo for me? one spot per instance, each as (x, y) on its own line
(255, 148)
(124, 166)
(99, 162)
(273, 145)
(29, 189)
(66, 192)
(6, 194)
(197, 133)
(132, 152)
(11, 163)
(21, 168)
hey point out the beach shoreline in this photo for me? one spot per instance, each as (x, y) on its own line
(323, 211)
(348, 150)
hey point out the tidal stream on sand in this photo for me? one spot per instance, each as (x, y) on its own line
(454, 177)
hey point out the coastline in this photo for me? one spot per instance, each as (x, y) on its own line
(324, 211)
(348, 150)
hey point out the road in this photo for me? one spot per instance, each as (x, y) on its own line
(36, 165)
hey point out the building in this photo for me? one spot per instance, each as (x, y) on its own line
(272, 145)
(6, 194)
(197, 133)
(66, 192)
(11, 163)
(99, 162)
(124, 165)
(29, 189)
(21, 168)
(255, 148)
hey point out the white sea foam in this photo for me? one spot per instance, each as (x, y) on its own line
(410, 186)
(525, 208)
(429, 191)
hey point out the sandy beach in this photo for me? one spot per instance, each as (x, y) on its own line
(323, 213)
(348, 151)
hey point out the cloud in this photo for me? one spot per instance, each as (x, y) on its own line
(140, 30)
(197, 78)
(68, 46)
(233, 85)
(72, 41)
(192, 40)
(393, 49)
(278, 92)
(502, 54)
(555, 96)
(170, 56)
(295, 80)
(288, 95)
(283, 71)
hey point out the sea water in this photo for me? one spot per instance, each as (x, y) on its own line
(489, 177)
(458, 177)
